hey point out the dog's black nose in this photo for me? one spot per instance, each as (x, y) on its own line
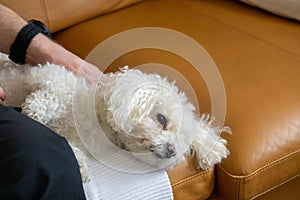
(171, 151)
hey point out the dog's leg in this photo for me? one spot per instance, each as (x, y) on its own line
(53, 110)
(43, 106)
(207, 146)
(81, 159)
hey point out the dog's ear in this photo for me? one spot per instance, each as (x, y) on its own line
(208, 147)
(129, 96)
(143, 101)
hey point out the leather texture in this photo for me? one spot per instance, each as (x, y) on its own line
(190, 183)
(57, 14)
(258, 56)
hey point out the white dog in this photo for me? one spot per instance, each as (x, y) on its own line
(145, 112)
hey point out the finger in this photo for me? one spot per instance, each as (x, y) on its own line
(2, 94)
(91, 73)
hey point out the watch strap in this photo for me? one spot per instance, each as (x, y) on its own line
(19, 48)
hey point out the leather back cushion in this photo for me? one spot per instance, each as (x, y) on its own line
(59, 14)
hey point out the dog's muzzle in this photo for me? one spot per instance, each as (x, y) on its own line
(171, 151)
(167, 151)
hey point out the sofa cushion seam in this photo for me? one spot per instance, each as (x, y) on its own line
(274, 187)
(243, 179)
(272, 164)
(46, 14)
(190, 179)
(261, 169)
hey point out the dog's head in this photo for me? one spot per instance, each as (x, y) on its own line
(148, 114)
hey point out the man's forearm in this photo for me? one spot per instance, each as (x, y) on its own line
(41, 49)
(10, 25)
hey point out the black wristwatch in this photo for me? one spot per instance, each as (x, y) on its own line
(18, 49)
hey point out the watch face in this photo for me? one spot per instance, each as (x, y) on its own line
(44, 28)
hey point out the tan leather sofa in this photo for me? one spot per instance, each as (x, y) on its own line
(258, 56)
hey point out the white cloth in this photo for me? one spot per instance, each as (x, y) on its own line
(108, 184)
(285, 8)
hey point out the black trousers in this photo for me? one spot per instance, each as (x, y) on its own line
(35, 162)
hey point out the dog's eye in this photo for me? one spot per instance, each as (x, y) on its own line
(161, 119)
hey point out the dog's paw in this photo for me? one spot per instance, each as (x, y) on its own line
(42, 106)
(208, 147)
(215, 154)
(84, 176)
(81, 160)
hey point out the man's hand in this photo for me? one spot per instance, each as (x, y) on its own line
(41, 50)
(2, 94)
(90, 72)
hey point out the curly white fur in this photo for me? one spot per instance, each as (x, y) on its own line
(145, 112)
